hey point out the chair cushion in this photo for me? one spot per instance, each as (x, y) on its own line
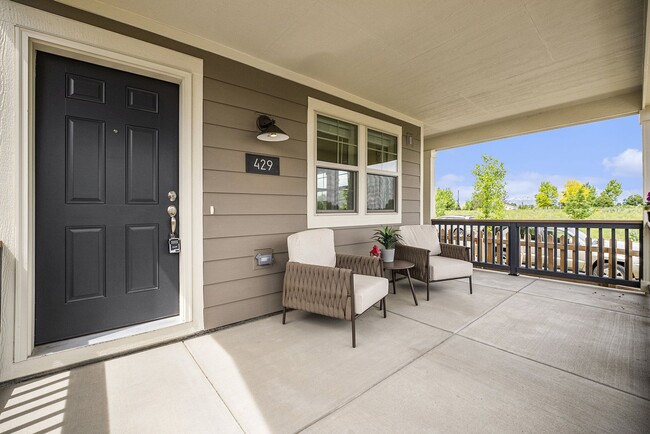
(422, 236)
(368, 290)
(315, 247)
(442, 268)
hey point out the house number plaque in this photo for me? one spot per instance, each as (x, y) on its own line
(262, 164)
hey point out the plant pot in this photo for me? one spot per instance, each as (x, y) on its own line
(388, 255)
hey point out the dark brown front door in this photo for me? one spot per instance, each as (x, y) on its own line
(106, 156)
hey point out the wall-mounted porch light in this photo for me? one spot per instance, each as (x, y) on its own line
(269, 131)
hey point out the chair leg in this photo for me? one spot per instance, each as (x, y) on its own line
(354, 334)
(284, 315)
(384, 303)
(427, 290)
(470, 284)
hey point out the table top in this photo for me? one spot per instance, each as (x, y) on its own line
(398, 264)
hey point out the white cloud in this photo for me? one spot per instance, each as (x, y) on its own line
(455, 184)
(626, 164)
(450, 179)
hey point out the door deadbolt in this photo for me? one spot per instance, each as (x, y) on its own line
(172, 196)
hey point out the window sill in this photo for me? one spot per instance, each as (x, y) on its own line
(351, 220)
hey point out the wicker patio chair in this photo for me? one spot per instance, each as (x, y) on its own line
(434, 261)
(318, 280)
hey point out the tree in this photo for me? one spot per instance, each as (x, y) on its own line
(490, 188)
(444, 201)
(608, 197)
(633, 200)
(469, 205)
(578, 199)
(547, 195)
(571, 187)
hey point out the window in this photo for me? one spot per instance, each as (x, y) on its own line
(354, 168)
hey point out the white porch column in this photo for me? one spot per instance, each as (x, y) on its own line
(429, 186)
(645, 133)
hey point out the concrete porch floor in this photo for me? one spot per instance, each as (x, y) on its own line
(519, 355)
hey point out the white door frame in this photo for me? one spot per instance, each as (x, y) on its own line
(131, 55)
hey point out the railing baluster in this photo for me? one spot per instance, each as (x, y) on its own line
(471, 245)
(554, 249)
(500, 245)
(588, 253)
(600, 252)
(576, 250)
(465, 235)
(628, 258)
(566, 251)
(514, 247)
(641, 243)
(486, 256)
(612, 256)
(478, 244)
(545, 248)
(493, 249)
(527, 237)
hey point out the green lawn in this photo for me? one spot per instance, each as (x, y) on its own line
(614, 213)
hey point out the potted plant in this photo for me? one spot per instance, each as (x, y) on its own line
(646, 206)
(387, 237)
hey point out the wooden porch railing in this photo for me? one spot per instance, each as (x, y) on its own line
(595, 251)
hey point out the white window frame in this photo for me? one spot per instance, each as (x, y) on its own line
(361, 217)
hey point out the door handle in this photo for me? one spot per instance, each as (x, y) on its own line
(171, 210)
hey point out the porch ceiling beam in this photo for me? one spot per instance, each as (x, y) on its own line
(646, 60)
(614, 106)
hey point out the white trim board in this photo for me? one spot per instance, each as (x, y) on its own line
(108, 11)
(51, 33)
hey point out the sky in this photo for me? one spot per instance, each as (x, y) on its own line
(594, 153)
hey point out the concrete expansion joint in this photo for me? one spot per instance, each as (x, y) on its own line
(196, 362)
(555, 367)
(410, 362)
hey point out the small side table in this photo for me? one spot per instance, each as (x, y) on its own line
(399, 265)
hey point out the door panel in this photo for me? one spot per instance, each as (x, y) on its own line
(141, 165)
(106, 154)
(85, 161)
(141, 257)
(85, 261)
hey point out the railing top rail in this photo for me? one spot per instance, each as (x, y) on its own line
(592, 224)
(536, 221)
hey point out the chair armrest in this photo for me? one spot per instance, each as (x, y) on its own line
(368, 265)
(455, 251)
(318, 289)
(416, 255)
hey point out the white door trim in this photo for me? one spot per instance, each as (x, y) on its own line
(120, 52)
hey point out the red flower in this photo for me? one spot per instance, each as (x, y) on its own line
(375, 251)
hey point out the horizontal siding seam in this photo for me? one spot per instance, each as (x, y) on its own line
(239, 107)
(241, 279)
(246, 299)
(256, 194)
(233, 258)
(246, 152)
(226, 126)
(250, 89)
(261, 215)
(236, 171)
(248, 236)
(252, 111)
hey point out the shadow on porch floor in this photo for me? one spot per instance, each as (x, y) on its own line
(520, 354)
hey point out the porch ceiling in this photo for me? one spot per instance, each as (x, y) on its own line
(452, 64)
